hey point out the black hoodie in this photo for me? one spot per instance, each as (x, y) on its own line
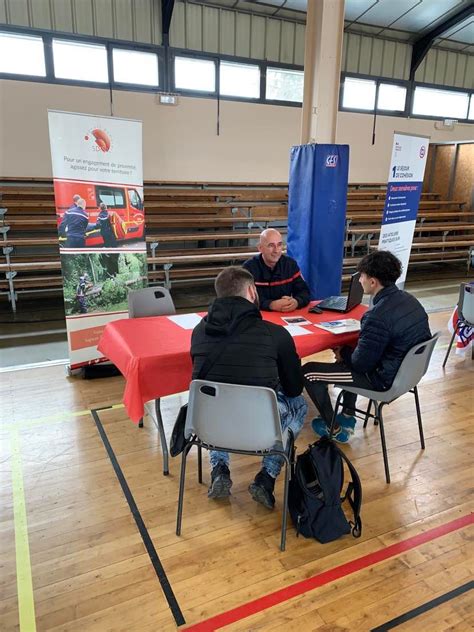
(264, 354)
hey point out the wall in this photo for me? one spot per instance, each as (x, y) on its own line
(180, 143)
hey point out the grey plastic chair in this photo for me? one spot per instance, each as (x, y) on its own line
(465, 314)
(412, 369)
(237, 419)
(153, 301)
(150, 301)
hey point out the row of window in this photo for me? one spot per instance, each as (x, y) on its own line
(84, 61)
(366, 95)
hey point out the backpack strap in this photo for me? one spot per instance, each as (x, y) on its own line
(353, 495)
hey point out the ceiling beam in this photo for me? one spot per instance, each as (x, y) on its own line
(422, 45)
(167, 7)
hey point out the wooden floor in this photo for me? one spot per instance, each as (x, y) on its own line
(77, 541)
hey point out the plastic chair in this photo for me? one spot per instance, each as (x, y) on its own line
(465, 314)
(150, 301)
(153, 301)
(412, 369)
(237, 419)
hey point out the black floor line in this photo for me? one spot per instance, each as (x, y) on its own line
(155, 560)
(411, 614)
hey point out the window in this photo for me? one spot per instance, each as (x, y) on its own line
(136, 67)
(114, 198)
(135, 199)
(80, 61)
(239, 80)
(194, 74)
(22, 55)
(284, 85)
(445, 103)
(471, 108)
(358, 94)
(391, 97)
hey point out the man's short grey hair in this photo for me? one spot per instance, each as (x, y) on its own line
(233, 281)
(76, 198)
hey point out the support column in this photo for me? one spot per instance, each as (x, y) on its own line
(322, 70)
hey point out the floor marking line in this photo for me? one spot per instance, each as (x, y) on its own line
(299, 588)
(426, 607)
(24, 580)
(147, 541)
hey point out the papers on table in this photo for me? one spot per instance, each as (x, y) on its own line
(296, 320)
(186, 321)
(343, 326)
(296, 330)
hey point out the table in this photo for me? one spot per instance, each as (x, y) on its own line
(153, 355)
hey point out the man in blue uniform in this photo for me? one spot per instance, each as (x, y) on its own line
(278, 280)
(74, 224)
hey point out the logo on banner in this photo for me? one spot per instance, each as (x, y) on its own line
(331, 161)
(101, 139)
(422, 151)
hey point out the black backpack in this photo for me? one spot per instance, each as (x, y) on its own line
(315, 492)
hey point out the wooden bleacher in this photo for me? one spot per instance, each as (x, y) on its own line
(196, 229)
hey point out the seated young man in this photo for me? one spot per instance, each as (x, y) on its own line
(395, 324)
(278, 280)
(262, 354)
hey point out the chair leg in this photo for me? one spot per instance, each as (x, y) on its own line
(418, 414)
(140, 423)
(378, 412)
(182, 477)
(369, 408)
(285, 507)
(161, 430)
(199, 464)
(336, 408)
(450, 344)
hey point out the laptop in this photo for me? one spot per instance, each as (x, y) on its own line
(345, 303)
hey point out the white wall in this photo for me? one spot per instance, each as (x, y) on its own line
(181, 143)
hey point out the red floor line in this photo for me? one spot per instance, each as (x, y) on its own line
(301, 587)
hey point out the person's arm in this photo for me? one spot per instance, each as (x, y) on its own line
(289, 363)
(373, 340)
(300, 291)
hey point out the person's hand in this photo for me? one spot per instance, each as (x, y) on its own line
(337, 354)
(284, 304)
(292, 304)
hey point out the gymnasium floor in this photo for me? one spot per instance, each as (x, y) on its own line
(72, 557)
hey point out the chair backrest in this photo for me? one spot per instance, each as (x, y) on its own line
(414, 366)
(234, 416)
(150, 301)
(466, 307)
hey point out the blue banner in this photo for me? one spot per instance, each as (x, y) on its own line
(317, 214)
(405, 182)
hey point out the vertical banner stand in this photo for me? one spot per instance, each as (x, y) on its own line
(405, 182)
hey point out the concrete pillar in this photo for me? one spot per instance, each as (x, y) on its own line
(322, 70)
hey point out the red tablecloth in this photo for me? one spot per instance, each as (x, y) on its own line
(153, 353)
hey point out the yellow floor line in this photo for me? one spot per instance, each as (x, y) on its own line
(64, 416)
(26, 603)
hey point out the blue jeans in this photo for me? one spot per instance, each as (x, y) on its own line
(292, 413)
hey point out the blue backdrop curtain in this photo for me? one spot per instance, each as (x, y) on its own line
(317, 214)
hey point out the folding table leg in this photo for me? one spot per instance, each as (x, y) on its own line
(161, 430)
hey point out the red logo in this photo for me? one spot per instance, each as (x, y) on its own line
(102, 139)
(422, 151)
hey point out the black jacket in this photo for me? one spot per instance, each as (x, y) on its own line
(74, 222)
(264, 354)
(395, 324)
(284, 280)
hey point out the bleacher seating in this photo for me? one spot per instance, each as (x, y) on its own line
(196, 229)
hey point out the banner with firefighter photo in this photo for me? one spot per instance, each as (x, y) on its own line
(98, 190)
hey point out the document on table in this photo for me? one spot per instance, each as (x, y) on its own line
(186, 321)
(296, 330)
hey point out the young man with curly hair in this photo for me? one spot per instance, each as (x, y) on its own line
(395, 323)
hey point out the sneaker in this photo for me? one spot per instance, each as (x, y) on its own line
(262, 488)
(342, 435)
(220, 481)
(348, 423)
